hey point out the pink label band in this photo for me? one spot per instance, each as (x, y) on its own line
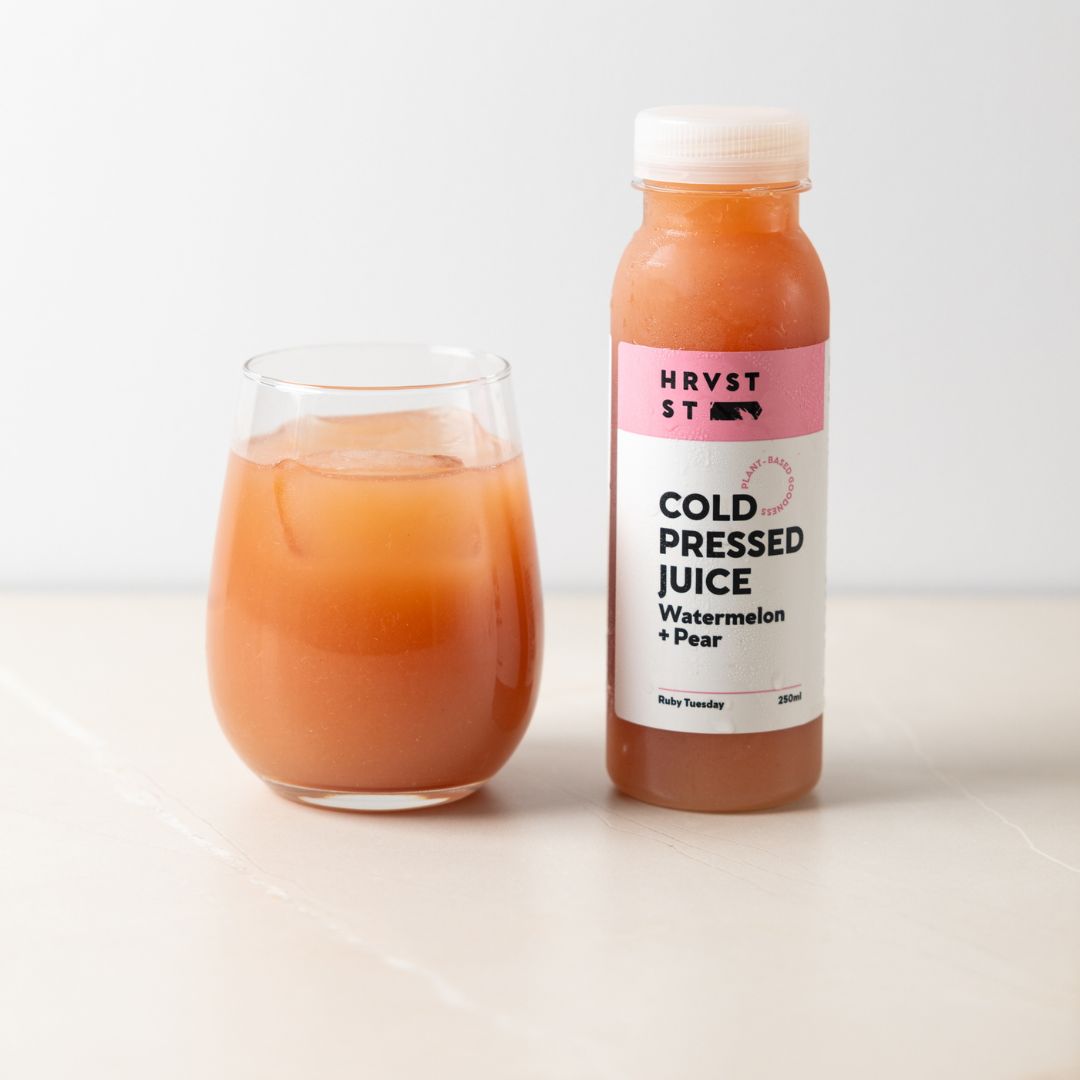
(721, 396)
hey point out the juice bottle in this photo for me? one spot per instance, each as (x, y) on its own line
(719, 325)
(374, 616)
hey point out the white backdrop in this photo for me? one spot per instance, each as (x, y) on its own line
(184, 184)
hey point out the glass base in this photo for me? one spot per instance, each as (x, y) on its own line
(372, 801)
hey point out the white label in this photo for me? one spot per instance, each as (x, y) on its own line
(720, 544)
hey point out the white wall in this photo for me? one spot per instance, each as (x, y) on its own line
(184, 184)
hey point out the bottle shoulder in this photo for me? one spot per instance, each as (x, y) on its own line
(709, 290)
(660, 251)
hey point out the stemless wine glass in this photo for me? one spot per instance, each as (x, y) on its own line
(374, 630)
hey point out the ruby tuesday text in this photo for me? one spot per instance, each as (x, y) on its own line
(680, 541)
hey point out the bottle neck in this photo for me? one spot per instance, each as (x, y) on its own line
(694, 208)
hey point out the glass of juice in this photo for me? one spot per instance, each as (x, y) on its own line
(374, 626)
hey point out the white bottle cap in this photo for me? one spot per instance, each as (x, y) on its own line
(717, 144)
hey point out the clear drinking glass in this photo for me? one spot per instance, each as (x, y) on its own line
(374, 630)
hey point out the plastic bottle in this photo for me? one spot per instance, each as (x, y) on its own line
(720, 321)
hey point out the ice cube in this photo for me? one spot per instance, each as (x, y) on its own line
(446, 438)
(361, 462)
(361, 507)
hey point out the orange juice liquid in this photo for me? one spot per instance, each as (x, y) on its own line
(374, 619)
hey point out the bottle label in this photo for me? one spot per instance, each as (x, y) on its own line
(720, 538)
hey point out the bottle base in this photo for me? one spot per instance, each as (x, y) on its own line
(771, 802)
(367, 802)
(714, 773)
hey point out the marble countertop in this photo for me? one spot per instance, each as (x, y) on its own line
(918, 917)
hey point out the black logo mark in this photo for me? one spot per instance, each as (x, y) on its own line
(734, 410)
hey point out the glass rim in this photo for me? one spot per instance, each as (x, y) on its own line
(499, 367)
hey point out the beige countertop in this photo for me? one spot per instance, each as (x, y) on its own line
(166, 916)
